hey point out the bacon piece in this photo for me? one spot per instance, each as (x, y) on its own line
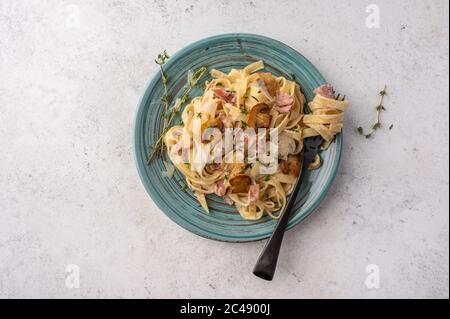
(285, 109)
(220, 188)
(227, 97)
(221, 116)
(211, 168)
(253, 193)
(284, 102)
(325, 90)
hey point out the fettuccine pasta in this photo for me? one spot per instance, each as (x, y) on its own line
(249, 99)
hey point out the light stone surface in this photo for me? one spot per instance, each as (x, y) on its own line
(71, 75)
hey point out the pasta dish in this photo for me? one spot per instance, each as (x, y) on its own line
(263, 120)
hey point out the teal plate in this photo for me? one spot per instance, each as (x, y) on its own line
(224, 52)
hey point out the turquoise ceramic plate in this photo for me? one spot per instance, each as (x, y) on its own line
(224, 52)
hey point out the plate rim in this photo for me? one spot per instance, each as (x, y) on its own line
(141, 166)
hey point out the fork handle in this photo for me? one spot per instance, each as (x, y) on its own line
(267, 261)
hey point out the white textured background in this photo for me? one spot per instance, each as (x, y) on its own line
(69, 190)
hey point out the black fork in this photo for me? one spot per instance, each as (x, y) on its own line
(267, 261)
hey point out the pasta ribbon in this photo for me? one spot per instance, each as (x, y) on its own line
(237, 101)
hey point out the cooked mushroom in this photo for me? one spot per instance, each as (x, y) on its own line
(259, 116)
(270, 82)
(240, 183)
(286, 146)
(211, 168)
(291, 165)
(212, 123)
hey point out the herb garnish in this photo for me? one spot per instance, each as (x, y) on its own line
(244, 111)
(170, 114)
(161, 60)
(380, 108)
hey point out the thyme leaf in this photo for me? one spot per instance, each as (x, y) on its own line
(377, 125)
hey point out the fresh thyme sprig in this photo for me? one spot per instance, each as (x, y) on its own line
(161, 60)
(380, 108)
(170, 113)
